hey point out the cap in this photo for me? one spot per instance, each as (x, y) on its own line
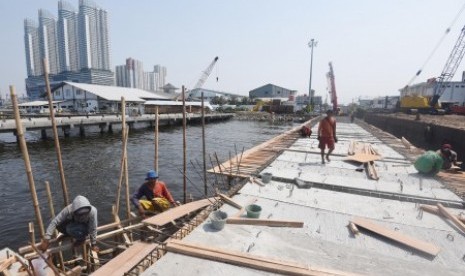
(151, 175)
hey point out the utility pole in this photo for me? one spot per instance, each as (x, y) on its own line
(312, 44)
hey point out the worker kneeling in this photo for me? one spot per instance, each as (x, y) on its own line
(157, 196)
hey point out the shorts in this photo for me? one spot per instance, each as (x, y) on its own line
(326, 142)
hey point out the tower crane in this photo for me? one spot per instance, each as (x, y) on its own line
(448, 72)
(205, 74)
(332, 87)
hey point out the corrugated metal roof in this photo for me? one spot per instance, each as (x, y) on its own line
(37, 103)
(114, 93)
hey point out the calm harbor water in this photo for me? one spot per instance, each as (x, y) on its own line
(92, 167)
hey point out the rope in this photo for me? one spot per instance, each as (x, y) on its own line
(437, 45)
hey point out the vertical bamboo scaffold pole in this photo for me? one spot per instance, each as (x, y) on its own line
(27, 162)
(184, 143)
(126, 174)
(204, 148)
(55, 134)
(156, 139)
(52, 213)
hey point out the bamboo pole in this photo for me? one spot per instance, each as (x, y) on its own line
(27, 162)
(156, 139)
(52, 213)
(126, 175)
(121, 175)
(204, 148)
(184, 144)
(55, 134)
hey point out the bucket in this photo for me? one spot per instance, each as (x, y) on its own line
(266, 177)
(253, 210)
(218, 219)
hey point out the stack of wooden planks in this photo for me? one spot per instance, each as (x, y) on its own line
(364, 153)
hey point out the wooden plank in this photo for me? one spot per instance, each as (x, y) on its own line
(6, 263)
(248, 260)
(178, 212)
(452, 217)
(419, 245)
(363, 157)
(229, 201)
(435, 210)
(126, 260)
(265, 222)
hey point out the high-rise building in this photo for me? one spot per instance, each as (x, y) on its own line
(76, 46)
(131, 74)
(150, 81)
(48, 40)
(31, 44)
(161, 71)
(68, 37)
(94, 43)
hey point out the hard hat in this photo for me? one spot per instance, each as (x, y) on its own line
(151, 175)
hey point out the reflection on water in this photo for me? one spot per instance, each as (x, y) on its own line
(92, 167)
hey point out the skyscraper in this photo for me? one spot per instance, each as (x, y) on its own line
(31, 44)
(161, 71)
(68, 37)
(48, 40)
(93, 36)
(131, 74)
(76, 46)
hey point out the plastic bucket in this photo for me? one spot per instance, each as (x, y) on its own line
(253, 210)
(266, 177)
(218, 219)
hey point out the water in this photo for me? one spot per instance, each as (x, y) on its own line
(92, 167)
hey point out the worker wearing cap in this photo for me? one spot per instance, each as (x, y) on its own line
(76, 220)
(158, 197)
(449, 156)
(327, 135)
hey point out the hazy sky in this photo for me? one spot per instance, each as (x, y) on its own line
(376, 46)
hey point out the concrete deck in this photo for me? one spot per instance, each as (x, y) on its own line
(325, 240)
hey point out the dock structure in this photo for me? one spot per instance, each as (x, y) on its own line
(350, 223)
(104, 122)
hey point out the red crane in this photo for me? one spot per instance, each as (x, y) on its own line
(332, 88)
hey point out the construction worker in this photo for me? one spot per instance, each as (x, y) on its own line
(158, 198)
(76, 220)
(327, 135)
(449, 157)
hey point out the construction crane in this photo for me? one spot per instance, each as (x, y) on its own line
(332, 88)
(449, 70)
(205, 74)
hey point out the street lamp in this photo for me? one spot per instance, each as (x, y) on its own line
(311, 44)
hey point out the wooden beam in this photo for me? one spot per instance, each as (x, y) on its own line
(229, 201)
(419, 245)
(265, 222)
(178, 212)
(248, 260)
(452, 217)
(6, 263)
(435, 210)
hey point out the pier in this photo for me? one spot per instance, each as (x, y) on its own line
(104, 122)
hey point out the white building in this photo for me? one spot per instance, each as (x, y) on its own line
(454, 91)
(82, 97)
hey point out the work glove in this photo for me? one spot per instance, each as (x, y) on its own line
(318, 137)
(335, 139)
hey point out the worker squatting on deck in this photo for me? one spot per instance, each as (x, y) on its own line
(327, 135)
(76, 220)
(158, 197)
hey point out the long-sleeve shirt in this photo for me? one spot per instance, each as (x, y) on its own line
(159, 190)
(67, 215)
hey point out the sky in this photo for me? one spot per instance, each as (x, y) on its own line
(375, 47)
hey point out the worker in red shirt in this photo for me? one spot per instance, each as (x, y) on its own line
(327, 135)
(158, 197)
